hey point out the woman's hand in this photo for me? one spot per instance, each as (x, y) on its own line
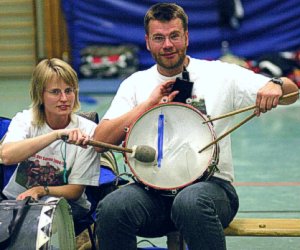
(73, 136)
(69, 192)
(35, 192)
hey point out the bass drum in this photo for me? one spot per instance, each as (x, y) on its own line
(177, 132)
(46, 225)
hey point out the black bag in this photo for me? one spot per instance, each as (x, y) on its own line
(10, 229)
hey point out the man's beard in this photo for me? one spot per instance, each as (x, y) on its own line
(168, 65)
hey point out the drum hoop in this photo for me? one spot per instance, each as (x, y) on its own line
(46, 218)
(128, 133)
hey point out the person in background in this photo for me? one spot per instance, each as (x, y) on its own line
(202, 210)
(47, 136)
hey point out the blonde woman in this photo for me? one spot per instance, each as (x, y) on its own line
(35, 135)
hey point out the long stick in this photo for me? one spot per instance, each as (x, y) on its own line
(247, 108)
(228, 132)
(108, 146)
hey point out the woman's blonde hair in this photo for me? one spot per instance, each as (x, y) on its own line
(45, 71)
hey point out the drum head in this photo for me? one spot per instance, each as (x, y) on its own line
(184, 134)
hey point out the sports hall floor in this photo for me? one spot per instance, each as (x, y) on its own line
(266, 153)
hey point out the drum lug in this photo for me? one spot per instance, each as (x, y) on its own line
(213, 167)
(214, 163)
(174, 192)
(189, 101)
(211, 123)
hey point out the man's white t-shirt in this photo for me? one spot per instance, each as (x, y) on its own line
(220, 87)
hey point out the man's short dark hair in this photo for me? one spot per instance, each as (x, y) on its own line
(165, 12)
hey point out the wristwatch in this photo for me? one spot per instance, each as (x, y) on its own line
(46, 190)
(277, 80)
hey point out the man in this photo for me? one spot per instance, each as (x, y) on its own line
(201, 210)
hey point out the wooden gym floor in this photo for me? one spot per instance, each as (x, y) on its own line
(266, 153)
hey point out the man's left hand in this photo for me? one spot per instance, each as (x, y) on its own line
(268, 97)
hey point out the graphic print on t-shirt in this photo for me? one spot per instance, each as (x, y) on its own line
(40, 171)
(199, 104)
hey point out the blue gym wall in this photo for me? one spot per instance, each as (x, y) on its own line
(268, 26)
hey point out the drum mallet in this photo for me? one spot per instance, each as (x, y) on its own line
(247, 108)
(142, 153)
(248, 118)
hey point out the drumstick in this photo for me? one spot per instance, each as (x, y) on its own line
(142, 153)
(246, 108)
(228, 132)
(100, 144)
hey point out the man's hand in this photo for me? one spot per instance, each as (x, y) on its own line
(268, 97)
(162, 93)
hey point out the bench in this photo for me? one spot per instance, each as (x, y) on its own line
(283, 227)
(264, 227)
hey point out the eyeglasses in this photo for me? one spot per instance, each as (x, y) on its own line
(58, 92)
(174, 38)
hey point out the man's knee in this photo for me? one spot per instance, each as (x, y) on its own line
(107, 209)
(192, 204)
(118, 205)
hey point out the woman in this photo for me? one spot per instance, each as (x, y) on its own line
(34, 141)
